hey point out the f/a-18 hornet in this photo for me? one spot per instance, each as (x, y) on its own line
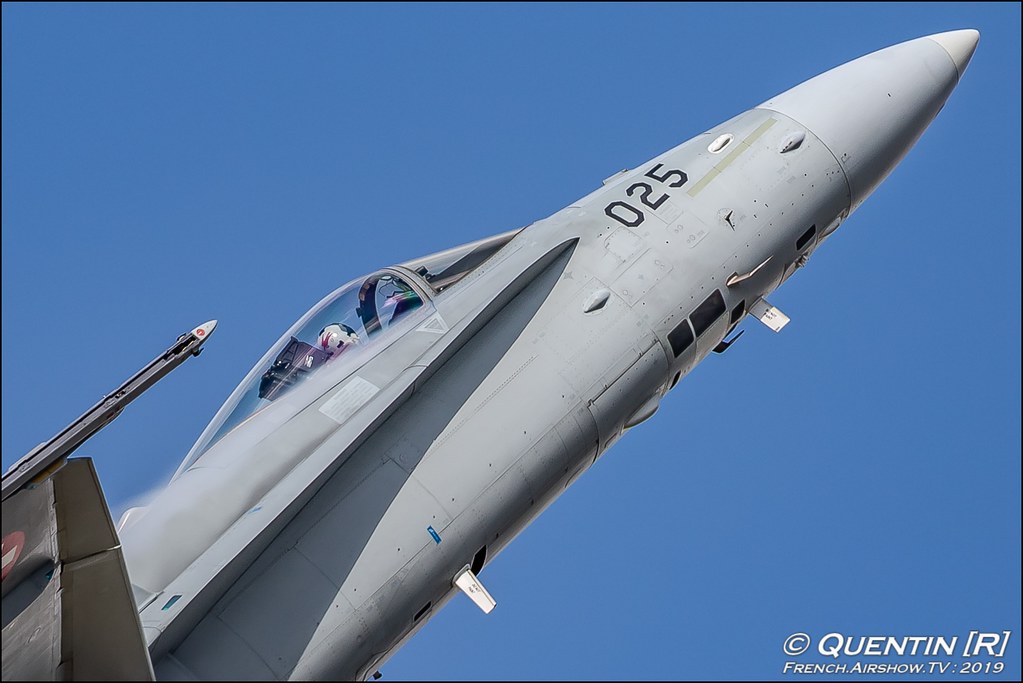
(415, 420)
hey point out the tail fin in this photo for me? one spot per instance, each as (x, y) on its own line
(68, 608)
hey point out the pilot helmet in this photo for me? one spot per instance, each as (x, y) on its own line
(336, 337)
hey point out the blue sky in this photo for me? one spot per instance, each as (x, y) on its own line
(859, 472)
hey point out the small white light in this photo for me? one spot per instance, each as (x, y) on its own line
(720, 142)
(792, 141)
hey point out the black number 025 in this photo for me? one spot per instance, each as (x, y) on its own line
(630, 216)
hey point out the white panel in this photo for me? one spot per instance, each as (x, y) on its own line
(349, 398)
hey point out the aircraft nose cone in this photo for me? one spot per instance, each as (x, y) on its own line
(960, 46)
(869, 112)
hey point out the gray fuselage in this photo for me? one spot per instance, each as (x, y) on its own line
(514, 381)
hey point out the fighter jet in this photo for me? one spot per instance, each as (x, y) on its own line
(402, 432)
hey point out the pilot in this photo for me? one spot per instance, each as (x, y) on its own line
(336, 337)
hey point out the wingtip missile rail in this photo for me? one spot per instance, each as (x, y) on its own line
(43, 457)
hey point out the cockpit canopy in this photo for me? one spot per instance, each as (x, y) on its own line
(341, 328)
(344, 324)
(354, 316)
